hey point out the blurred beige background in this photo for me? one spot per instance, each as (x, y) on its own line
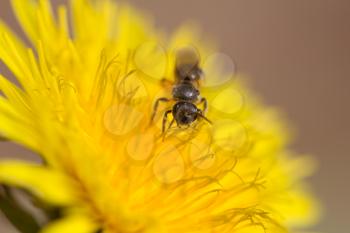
(297, 55)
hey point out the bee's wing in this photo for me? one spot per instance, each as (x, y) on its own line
(219, 69)
(187, 55)
(151, 59)
(226, 100)
(218, 86)
(186, 59)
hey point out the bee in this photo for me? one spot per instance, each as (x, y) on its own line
(185, 91)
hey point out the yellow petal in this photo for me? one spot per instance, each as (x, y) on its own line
(4, 29)
(49, 185)
(302, 210)
(15, 126)
(13, 93)
(72, 224)
(15, 57)
(93, 20)
(25, 13)
(29, 13)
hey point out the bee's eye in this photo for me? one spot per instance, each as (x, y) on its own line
(184, 119)
(187, 118)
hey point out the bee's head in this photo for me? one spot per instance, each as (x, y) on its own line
(185, 113)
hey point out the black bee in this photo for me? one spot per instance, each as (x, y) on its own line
(185, 91)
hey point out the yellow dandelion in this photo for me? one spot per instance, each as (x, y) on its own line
(84, 103)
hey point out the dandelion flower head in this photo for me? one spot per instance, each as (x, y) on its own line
(86, 89)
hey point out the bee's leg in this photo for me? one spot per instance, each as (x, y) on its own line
(166, 83)
(171, 124)
(165, 118)
(198, 83)
(155, 107)
(205, 104)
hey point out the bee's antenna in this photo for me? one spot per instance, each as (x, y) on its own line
(200, 114)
